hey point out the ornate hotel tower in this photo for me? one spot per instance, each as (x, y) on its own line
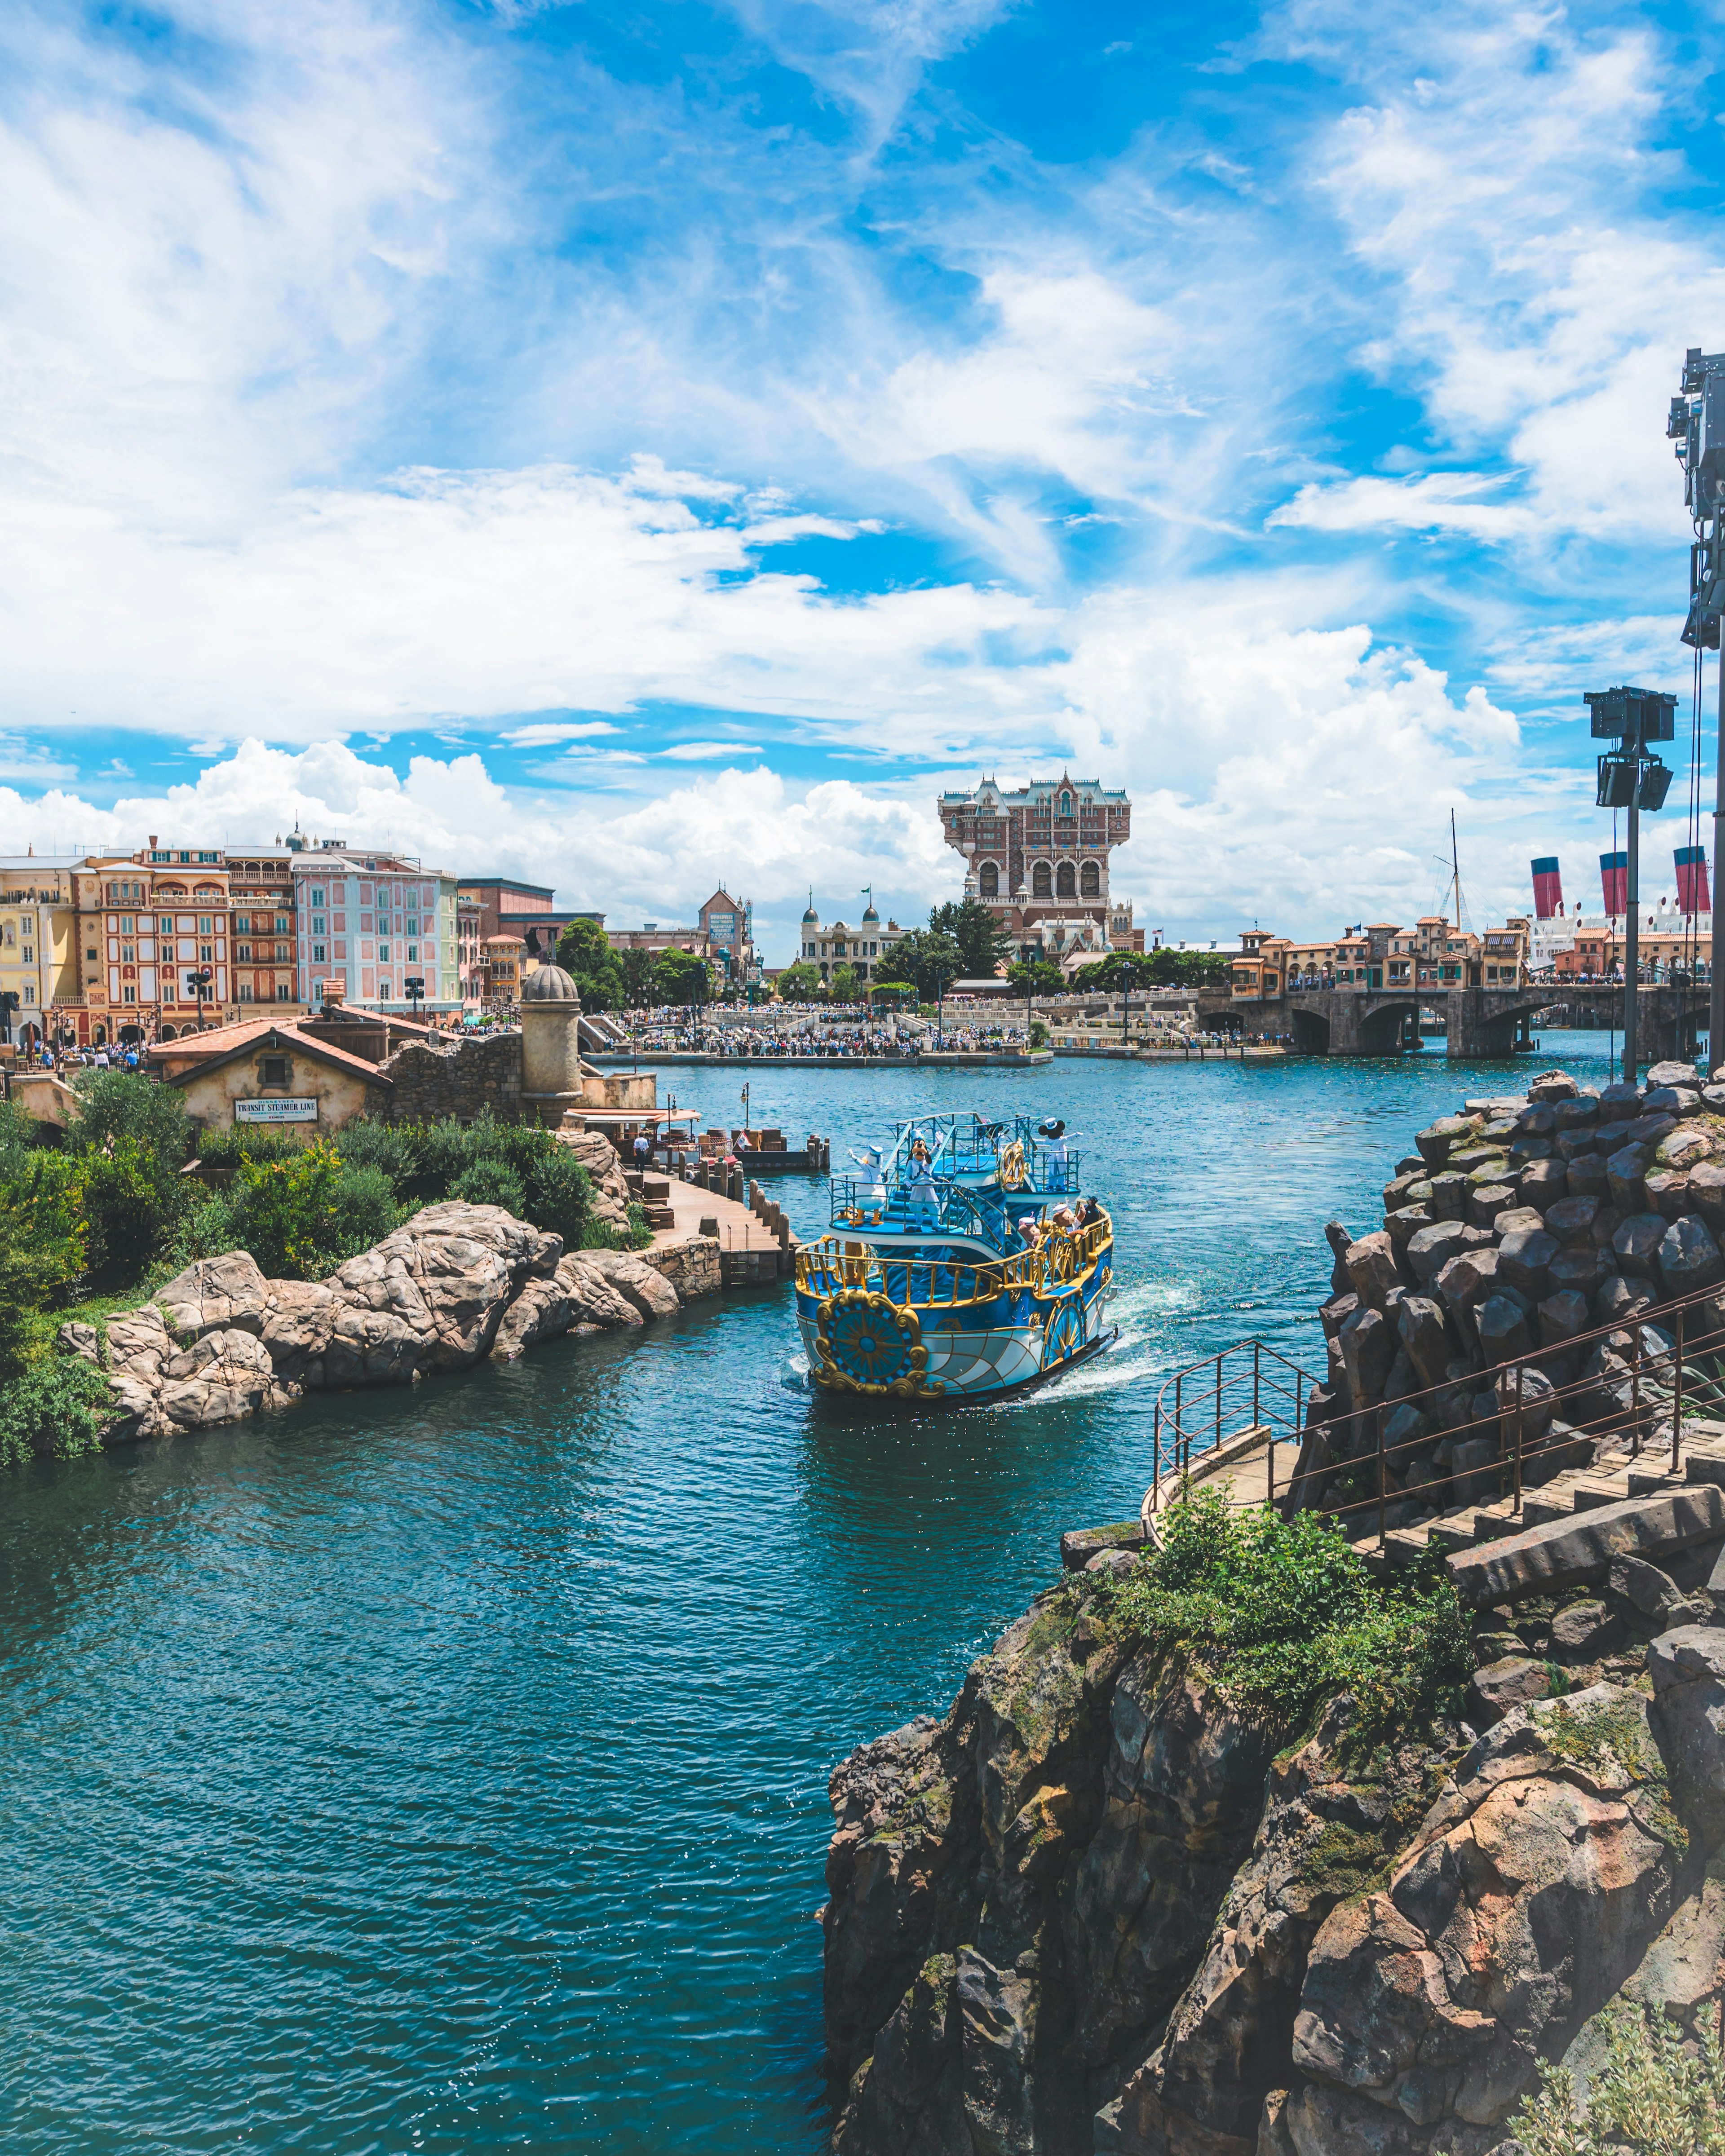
(1040, 854)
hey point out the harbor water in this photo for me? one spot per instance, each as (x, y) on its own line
(445, 1768)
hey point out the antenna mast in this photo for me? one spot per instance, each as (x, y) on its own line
(1455, 869)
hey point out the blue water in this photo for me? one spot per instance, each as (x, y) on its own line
(445, 1769)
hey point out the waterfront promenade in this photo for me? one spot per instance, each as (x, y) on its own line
(444, 1767)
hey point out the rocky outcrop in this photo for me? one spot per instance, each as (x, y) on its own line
(456, 1283)
(1096, 1909)
(609, 1202)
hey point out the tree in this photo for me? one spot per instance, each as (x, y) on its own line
(584, 953)
(637, 970)
(846, 984)
(927, 957)
(798, 983)
(981, 942)
(1121, 972)
(1039, 977)
(678, 977)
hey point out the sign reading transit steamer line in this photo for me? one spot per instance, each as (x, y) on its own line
(275, 1109)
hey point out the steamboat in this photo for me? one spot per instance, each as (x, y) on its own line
(963, 1261)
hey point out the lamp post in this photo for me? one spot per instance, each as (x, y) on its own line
(1696, 426)
(203, 978)
(1631, 776)
(415, 987)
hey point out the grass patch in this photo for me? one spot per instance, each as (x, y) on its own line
(1282, 1616)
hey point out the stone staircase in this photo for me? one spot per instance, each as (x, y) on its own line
(1573, 1490)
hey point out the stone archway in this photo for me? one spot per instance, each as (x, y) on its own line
(1311, 1031)
(1066, 881)
(1042, 881)
(1090, 880)
(987, 878)
(1383, 1030)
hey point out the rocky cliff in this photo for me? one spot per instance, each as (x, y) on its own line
(1098, 1909)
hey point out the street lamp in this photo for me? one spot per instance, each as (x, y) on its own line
(414, 985)
(201, 980)
(1631, 776)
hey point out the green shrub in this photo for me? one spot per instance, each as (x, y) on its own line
(244, 1142)
(558, 1193)
(121, 1104)
(392, 1147)
(208, 1228)
(58, 1408)
(491, 1183)
(1283, 1616)
(131, 1201)
(364, 1212)
(40, 1190)
(1655, 2096)
(284, 1211)
(600, 1235)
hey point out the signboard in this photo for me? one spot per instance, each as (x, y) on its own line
(280, 1110)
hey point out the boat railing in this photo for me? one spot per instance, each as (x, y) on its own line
(836, 1262)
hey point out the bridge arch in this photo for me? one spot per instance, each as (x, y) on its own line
(1312, 1030)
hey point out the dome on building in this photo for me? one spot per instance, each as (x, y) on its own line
(869, 914)
(811, 915)
(549, 985)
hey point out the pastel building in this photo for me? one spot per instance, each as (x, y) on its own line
(1039, 851)
(827, 946)
(368, 923)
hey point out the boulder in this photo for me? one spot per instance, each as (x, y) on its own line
(1538, 1120)
(596, 1301)
(1335, 1313)
(652, 1294)
(1485, 1201)
(1435, 1141)
(430, 1296)
(1371, 1270)
(1432, 1248)
(1689, 1258)
(297, 1328)
(1449, 1197)
(1577, 1145)
(1620, 1101)
(1513, 1681)
(1543, 1183)
(1620, 1299)
(1571, 1220)
(1563, 1317)
(1338, 1239)
(1425, 1336)
(216, 1294)
(1579, 1113)
(1525, 1151)
(1400, 1192)
(1585, 1630)
(1673, 1073)
(1532, 1890)
(1686, 1148)
(1637, 1243)
(1519, 1220)
(1589, 1177)
(1553, 1085)
(1406, 1428)
(1529, 1392)
(1687, 1667)
(1475, 1472)
(1464, 1281)
(1401, 1227)
(544, 1310)
(222, 1377)
(1706, 1190)
(1523, 1259)
(1650, 1132)
(1668, 1193)
(1502, 1329)
(1626, 1173)
(1644, 1586)
(1581, 1270)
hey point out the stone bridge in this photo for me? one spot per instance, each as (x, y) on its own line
(1483, 1022)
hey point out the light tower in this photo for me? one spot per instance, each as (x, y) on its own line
(1632, 777)
(1696, 424)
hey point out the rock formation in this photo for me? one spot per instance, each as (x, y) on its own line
(1096, 1909)
(456, 1283)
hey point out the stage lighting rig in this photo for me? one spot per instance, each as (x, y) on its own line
(1632, 777)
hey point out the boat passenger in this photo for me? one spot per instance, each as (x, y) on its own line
(925, 1212)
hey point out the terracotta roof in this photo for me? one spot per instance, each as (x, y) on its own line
(237, 1039)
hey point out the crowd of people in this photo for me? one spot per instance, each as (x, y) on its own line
(824, 1030)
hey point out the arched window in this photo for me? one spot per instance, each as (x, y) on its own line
(1065, 804)
(1041, 881)
(1090, 880)
(988, 879)
(1066, 883)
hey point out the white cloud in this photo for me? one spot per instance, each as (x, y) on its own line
(707, 752)
(1439, 502)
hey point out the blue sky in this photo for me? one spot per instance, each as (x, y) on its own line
(629, 445)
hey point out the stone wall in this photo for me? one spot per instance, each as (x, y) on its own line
(692, 1268)
(461, 1080)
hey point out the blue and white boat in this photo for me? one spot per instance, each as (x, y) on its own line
(963, 1262)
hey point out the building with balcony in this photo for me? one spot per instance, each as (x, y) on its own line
(1039, 851)
(369, 922)
(827, 945)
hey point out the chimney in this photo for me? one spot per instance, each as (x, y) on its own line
(152, 842)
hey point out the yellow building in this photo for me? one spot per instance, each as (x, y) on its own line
(37, 943)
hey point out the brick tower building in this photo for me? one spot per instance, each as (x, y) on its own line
(1040, 854)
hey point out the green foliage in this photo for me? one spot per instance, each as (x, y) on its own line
(490, 1182)
(393, 1148)
(1655, 2096)
(928, 958)
(599, 1235)
(364, 1212)
(1039, 977)
(678, 977)
(584, 951)
(637, 970)
(241, 1141)
(1123, 971)
(284, 1211)
(40, 1194)
(975, 930)
(56, 1408)
(800, 983)
(116, 1104)
(846, 984)
(1283, 1616)
(131, 1197)
(559, 1195)
(1039, 1034)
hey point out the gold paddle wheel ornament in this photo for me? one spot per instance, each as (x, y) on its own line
(865, 1342)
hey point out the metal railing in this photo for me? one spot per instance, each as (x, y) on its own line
(1662, 1350)
(1059, 1262)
